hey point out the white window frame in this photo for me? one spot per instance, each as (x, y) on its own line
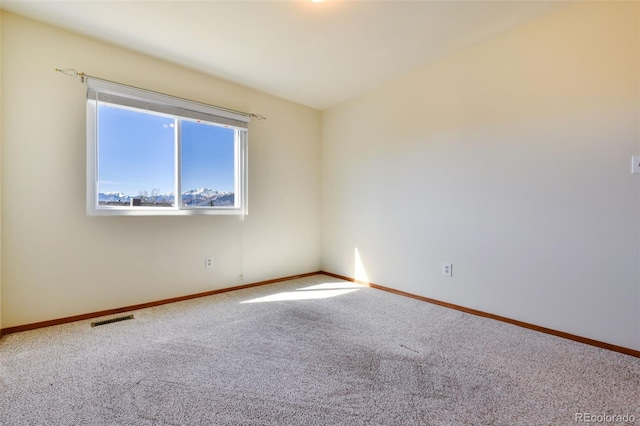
(180, 109)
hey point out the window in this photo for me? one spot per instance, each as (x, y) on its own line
(153, 154)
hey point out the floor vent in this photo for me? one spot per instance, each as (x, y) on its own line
(109, 321)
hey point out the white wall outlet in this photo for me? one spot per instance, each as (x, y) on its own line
(635, 165)
(447, 269)
(208, 262)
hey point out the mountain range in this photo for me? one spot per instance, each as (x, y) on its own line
(192, 197)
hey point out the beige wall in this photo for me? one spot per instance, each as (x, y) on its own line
(510, 160)
(58, 262)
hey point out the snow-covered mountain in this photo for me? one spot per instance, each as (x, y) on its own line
(207, 197)
(201, 192)
(113, 197)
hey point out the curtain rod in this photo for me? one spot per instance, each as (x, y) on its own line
(74, 73)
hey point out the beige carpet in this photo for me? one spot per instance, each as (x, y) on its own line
(312, 351)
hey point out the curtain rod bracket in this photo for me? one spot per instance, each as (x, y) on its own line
(69, 72)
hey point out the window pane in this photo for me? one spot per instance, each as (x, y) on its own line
(208, 165)
(136, 158)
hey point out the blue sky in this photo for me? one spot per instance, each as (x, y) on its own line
(136, 153)
(207, 157)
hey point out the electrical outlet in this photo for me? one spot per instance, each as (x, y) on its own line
(208, 262)
(447, 269)
(635, 165)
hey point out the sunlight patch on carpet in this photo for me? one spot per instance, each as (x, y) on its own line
(333, 286)
(301, 295)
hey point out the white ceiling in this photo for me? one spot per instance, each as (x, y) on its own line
(315, 54)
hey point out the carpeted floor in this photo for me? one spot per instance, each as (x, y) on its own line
(311, 351)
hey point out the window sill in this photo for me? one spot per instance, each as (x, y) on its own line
(154, 211)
